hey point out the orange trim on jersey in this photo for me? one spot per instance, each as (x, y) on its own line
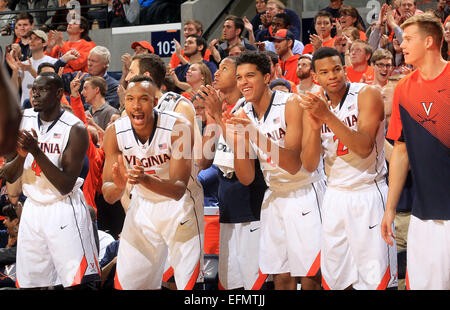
(193, 279)
(260, 281)
(385, 281)
(81, 271)
(117, 285)
(325, 285)
(407, 281)
(168, 274)
(221, 288)
(17, 283)
(314, 267)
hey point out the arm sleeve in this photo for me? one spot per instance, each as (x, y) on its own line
(374, 38)
(395, 129)
(83, 48)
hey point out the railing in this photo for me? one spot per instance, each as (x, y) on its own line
(58, 9)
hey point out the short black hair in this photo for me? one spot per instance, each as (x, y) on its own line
(285, 17)
(56, 80)
(238, 23)
(141, 78)
(25, 15)
(325, 52)
(200, 41)
(45, 65)
(10, 211)
(154, 65)
(261, 61)
(323, 13)
(272, 55)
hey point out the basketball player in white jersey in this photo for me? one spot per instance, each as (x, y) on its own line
(153, 66)
(52, 144)
(290, 213)
(346, 122)
(239, 205)
(143, 148)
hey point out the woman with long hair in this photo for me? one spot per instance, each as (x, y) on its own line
(197, 75)
(349, 17)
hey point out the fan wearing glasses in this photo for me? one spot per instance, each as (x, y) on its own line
(381, 62)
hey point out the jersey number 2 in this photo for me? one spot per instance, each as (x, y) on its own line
(35, 167)
(341, 149)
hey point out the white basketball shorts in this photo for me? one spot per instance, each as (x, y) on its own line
(428, 255)
(155, 232)
(238, 256)
(353, 251)
(56, 244)
(291, 231)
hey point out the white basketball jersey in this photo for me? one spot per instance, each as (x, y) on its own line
(273, 125)
(155, 154)
(52, 141)
(169, 101)
(344, 168)
(224, 157)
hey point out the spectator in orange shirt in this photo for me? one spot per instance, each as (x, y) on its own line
(275, 69)
(78, 31)
(192, 26)
(284, 41)
(360, 71)
(323, 23)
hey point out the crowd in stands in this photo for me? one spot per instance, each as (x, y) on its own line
(372, 54)
(52, 14)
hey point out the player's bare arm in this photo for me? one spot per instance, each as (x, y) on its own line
(10, 116)
(398, 171)
(72, 158)
(289, 155)
(179, 166)
(184, 108)
(311, 142)
(114, 171)
(370, 114)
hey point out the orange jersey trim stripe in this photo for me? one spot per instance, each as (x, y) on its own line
(407, 281)
(260, 281)
(325, 285)
(193, 279)
(117, 285)
(81, 271)
(168, 274)
(314, 267)
(385, 281)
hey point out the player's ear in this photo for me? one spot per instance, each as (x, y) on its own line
(314, 76)
(267, 78)
(429, 41)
